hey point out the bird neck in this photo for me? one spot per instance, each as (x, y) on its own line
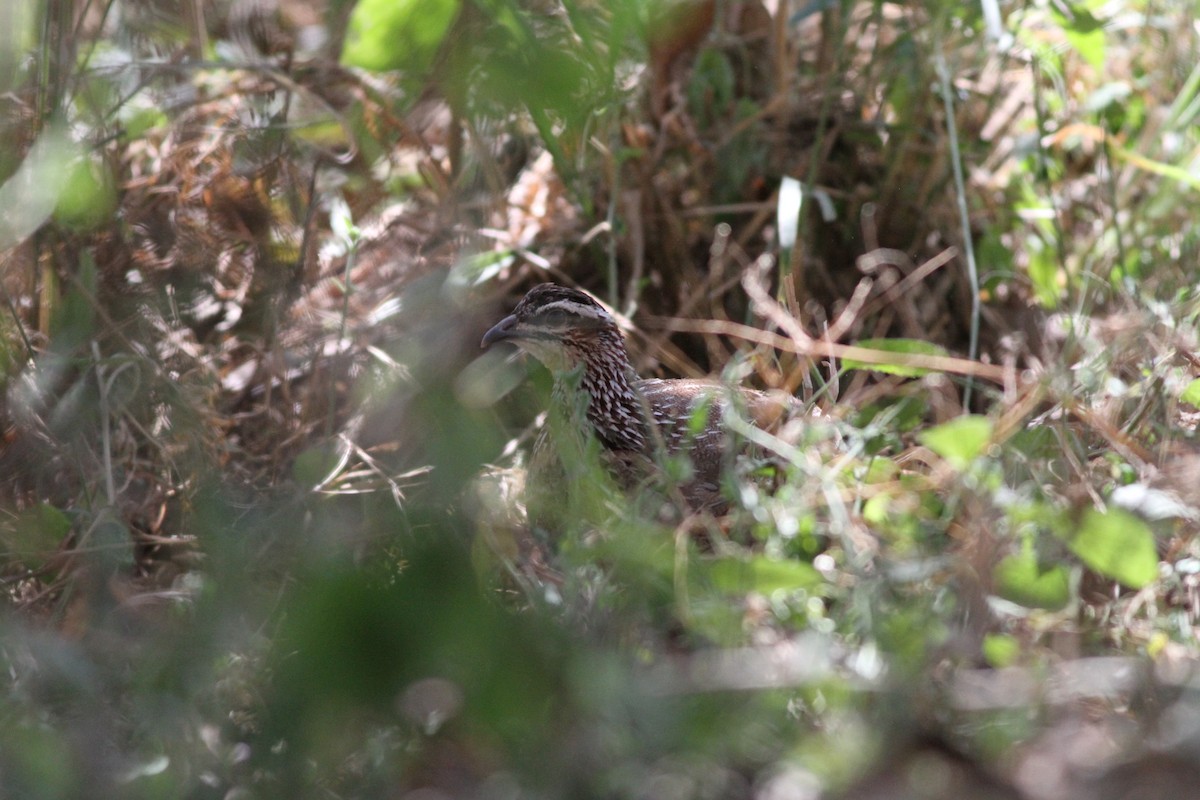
(614, 407)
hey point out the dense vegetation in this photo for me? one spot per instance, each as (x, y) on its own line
(261, 527)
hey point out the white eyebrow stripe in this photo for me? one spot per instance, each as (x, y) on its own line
(575, 307)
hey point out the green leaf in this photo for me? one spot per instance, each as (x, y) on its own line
(1171, 171)
(875, 510)
(1001, 650)
(907, 346)
(763, 575)
(137, 118)
(315, 465)
(29, 195)
(397, 34)
(1116, 544)
(1084, 32)
(1076, 17)
(73, 320)
(711, 89)
(1091, 45)
(960, 441)
(89, 196)
(1043, 270)
(37, 535)
(1021, 579)
(1191, 394)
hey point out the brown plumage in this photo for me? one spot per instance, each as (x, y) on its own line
(580, 344)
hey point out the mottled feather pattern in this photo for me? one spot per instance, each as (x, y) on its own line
(580, 343)
(615, 407)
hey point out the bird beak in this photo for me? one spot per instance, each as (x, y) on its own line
(501, 330)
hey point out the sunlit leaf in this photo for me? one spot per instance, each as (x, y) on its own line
(1043, 272)
(1001, 650)
(1091, 45)
(1116, 544)
(397, 34)
(875, 509)
(1191, 393)
(763, 575)
(900, 346)
(327, 133)
(960, 441)
(1021, 579)
(1083, 30)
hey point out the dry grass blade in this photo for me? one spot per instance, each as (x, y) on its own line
(823, 349)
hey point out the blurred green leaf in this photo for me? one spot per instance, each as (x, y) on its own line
(88, 197)
(900, 517)
(1191, 393)
(326, 133)
(18, 37)
(37, 534)
(1043, 272)
(360, 642)
(960, 441)
(73, 320)
(763, 574)
(1076, 16)
(37, 763)
(1001, 650)
(1083, 30)
(1023, 580)
(29, 196)
(1171, 171)
(315, 464)
(1116, 544)
(397, 34)
(1091, 45)
(906, 346)
(524, 70)
(906, 93)
(137, 118)
(992, 250)
(908, 633)
(711, 88)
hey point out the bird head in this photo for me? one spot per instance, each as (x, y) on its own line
(558, 326)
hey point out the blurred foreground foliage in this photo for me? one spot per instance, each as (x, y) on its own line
(260, 520)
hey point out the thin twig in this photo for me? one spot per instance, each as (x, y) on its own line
(850, 314)
(912, 279)
(769, 309)
(823, 349)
